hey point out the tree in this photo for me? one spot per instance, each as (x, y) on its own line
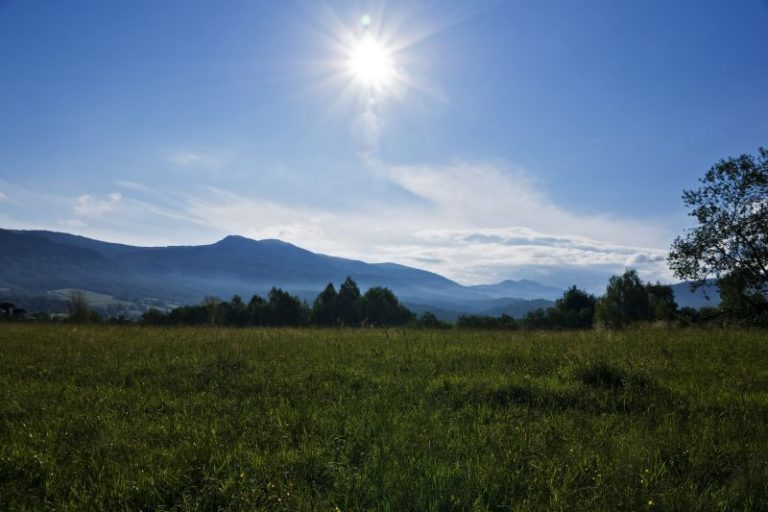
(154, 316)
(662, 303)
(348, 303)
(190, 315)
(324, 309)
(740, 300)
(429, 320)
(625, 301)
(257, 310)
(380, 307)
(234, 313)
(211, 305)
(537, 319)
(79, 308)
(285, 309)
(7, 308)
(574, 310)
(486, 322)
(688, 316)
(730, 241)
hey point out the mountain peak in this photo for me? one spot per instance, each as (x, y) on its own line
(275, 241)
(235, 240)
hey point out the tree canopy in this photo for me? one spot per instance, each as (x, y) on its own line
(574, 310)
(730, 240)
(628, 300)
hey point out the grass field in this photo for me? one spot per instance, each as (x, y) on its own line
(129, 418)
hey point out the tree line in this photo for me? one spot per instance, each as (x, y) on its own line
(627, 301)
(378, 306)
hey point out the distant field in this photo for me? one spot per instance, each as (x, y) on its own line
(136, 418)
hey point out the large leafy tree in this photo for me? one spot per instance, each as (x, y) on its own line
(626, 301)
(730, 241)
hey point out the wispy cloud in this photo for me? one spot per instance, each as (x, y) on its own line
(184, 158)
(491, 195)
(204, 160)
(115, 216)
(73, 223)
(89, 206)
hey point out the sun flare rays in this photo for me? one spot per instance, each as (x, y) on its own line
(367, 61)
(370, 64)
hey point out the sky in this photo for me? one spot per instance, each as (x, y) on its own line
(482, 140)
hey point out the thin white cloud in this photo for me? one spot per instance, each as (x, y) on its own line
(184, 158)
(73, 223)
(205, 160)
(3, 197)
(89, 206)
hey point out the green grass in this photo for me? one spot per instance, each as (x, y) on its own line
(129, 418)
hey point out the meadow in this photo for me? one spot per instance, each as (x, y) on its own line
(139, 418)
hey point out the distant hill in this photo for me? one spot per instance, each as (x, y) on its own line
(523, 289)
(43, 263)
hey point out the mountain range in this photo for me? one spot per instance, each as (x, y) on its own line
(43, 263)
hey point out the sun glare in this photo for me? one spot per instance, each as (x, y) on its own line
(370, 63)
(371, 60)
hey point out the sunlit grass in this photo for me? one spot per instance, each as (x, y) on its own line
(307, 419)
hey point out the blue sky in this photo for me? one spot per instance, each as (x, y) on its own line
(518, 139)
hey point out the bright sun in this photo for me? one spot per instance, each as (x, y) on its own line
(370, 63)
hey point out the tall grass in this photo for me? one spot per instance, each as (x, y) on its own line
(129, 418)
